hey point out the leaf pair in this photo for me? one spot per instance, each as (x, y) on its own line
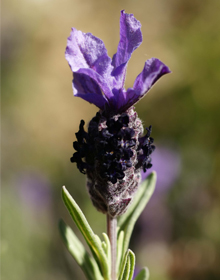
(97, 267)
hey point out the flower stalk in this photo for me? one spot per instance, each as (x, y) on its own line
(112, 234)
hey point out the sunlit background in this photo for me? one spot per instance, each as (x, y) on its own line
(178, 234)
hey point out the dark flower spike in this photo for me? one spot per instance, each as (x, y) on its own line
(113, 151)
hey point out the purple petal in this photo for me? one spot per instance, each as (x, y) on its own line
(88, 59)
(92, 87)
(153, 70)
(130, 39)
(86, 88)
(87, 51)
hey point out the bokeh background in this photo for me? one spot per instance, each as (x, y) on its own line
(178, 234)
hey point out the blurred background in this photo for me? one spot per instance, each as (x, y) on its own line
(178, 234)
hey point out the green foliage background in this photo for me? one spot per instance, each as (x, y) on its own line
(40, 117)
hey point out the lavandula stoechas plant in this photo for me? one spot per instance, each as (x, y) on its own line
(114, 150)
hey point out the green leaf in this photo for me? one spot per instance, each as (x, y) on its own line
(125, 267)
(132, 264)
(127, 270)
(79, 253)
(127, 221)
(107, 248)
(92, 240)
(143, 274)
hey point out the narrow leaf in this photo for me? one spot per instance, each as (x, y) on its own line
(127, 270)
(104, 247)
(143, 274)
(92, 240)
(107, 248)
(79, 253)
(125, 267)
(132, 264)
(141, 199)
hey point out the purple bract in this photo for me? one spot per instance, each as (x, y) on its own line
(99, 79)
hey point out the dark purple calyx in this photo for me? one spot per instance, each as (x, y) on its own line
(112, 154)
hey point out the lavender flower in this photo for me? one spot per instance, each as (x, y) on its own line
(113, 151)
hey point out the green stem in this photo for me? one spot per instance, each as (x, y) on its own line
(112, 234)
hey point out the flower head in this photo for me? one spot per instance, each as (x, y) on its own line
(113, 151)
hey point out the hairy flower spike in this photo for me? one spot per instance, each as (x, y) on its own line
(113, 151)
